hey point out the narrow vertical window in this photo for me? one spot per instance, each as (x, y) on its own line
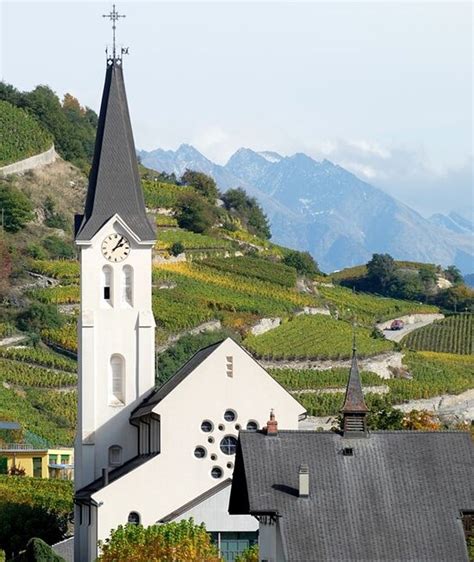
(117, 368)
(107, 284)
(127, 285)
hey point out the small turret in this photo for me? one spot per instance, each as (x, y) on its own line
(354, 410)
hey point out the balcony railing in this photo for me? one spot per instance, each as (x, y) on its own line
(20, 447)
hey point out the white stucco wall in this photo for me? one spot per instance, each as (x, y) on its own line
(213, 512)
(175, 477)
(107, 329)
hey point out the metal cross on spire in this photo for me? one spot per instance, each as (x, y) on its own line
(113, 17)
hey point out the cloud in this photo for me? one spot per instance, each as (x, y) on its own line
(405, 174)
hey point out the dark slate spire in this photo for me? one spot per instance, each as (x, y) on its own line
(114, 181)
(354, 410)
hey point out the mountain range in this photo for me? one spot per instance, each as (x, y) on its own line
(324, 209)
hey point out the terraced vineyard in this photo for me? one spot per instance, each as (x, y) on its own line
(265, 270)
(39, 492)
(24, 136)
(64, 270)
(162, 195)
(47, 413)
(39, 356)
(312, 379)
(369, 309)
(64, 337)
(68, 294)
(190, 240)
(27, 375)
(434, 374)
(314, 337)
(454, 334)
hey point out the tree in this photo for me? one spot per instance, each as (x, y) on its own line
(202, 183)
(303, 262)
(195, 213)
(39, 315)
(453, 274)
(20, 522)
(421, 420)
(459, 298)
(383, 416)
(58, 248)
(38, 551)
(246, 208)
(249, 555)
(177, 248)
(16, 208)
(381, 271)
(183, 541)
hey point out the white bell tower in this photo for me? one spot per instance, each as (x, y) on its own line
(116, 325)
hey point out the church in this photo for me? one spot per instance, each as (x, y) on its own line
(147, 455)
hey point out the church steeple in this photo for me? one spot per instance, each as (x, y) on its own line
(114, 181)
(354, 410)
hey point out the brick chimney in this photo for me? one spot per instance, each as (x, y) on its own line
(272, 424)
(303, 481)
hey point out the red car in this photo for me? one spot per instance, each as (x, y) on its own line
(397, 325)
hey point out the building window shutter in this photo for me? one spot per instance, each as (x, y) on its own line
(127, 286)
(230, 366)
(115, 455)
(118, 378)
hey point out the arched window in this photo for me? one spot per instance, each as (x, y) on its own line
(117, 368)
(134, 518)
(115, 455)
(127, 285)
(107, 284)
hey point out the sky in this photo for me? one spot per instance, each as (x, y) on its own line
(381, 88)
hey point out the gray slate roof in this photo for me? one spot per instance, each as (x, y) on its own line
(114, 181)
(156, 396)
(397, 498)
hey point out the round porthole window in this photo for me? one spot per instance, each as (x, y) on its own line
(213, 457)
(221, 427)
(252, 425)
(230, 415)
(238, 427)
(228, 445)
(230, 465)
(207, 426)
(216, 472)
(210, 439)
(199, 452)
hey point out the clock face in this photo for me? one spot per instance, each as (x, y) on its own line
(115, 247)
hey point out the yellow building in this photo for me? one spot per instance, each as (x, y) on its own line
(38, 462)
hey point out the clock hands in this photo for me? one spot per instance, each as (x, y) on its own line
(120, 243)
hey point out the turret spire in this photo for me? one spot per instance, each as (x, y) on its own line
(114, 181)
(354, 410)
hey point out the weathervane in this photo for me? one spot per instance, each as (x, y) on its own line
(114, 17)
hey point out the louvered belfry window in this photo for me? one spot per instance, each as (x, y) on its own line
(127, 280)
(117, 367)
(107, 283)
(354, 423)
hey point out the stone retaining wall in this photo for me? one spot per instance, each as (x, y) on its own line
(31, 163)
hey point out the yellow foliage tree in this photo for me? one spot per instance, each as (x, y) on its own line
(173, 542)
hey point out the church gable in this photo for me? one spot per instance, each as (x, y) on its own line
(225, 373)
